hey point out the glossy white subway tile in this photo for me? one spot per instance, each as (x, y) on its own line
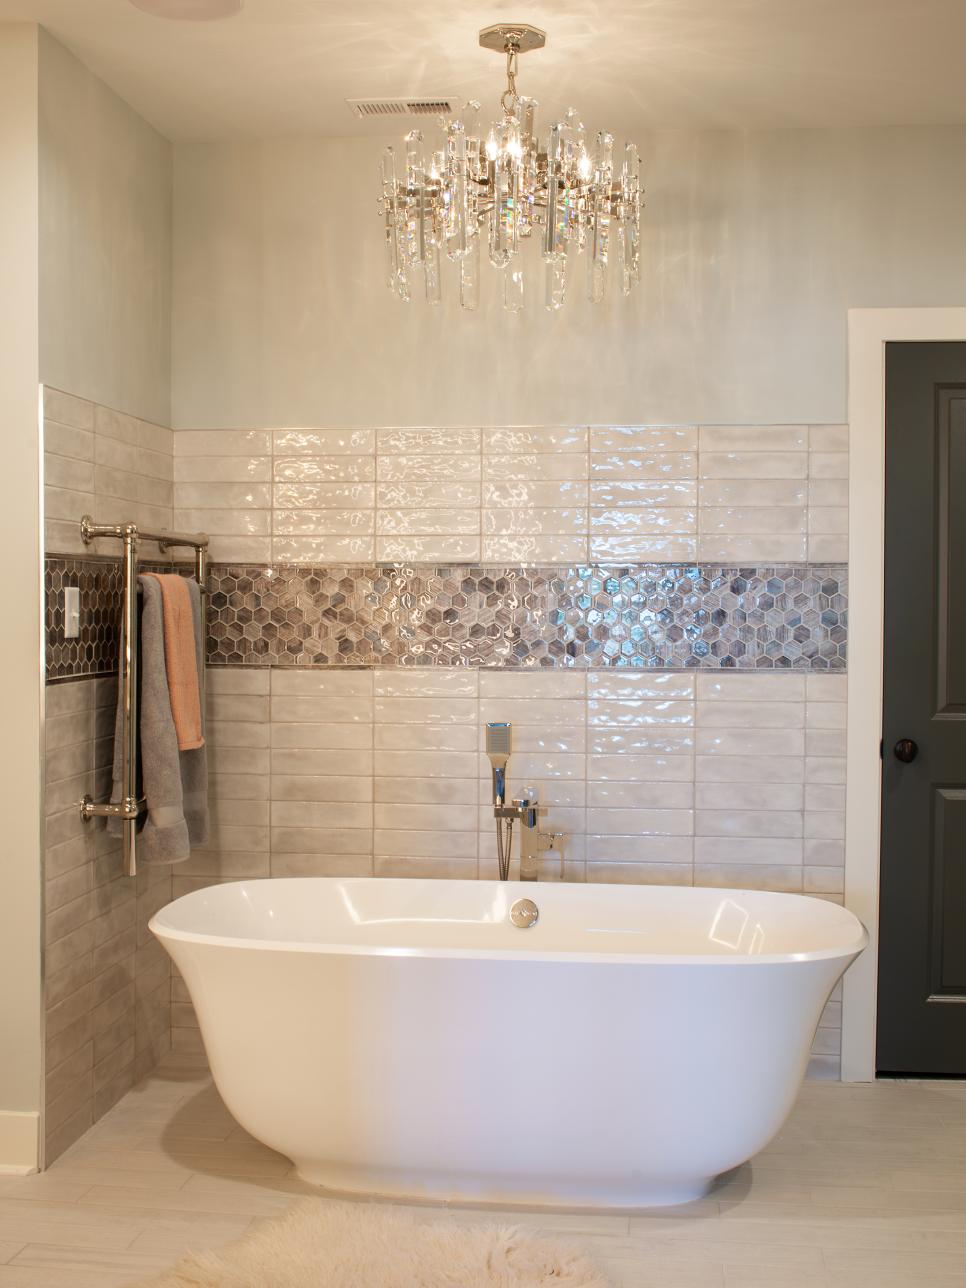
(828, 852)
(750, 742)
(424, 844)
(435, 710)
(442, 792)
(341, 524)
(533, 684)
(628, 466)
(828, 549)
(652, 521)
(761, 520)
(332, 710)
(643, 438)
(828, 492)
(243, 550)
(639, 547)
(401, 494)
(542, 713)
(228, 523)
(522, 440)
(658, 685)
(320, 734)
(430, 521)
(638, 848)
(627, 767)
(722, 714)
(747, 767)
(324, 469)
(748, 849)
(427, 469)
(530, 494)
(321, 814)
(638, 739)
(761, 686)
(443, 547)
(771, 548)
(325, 683)
(749, 493)
(749, 796)
(828, 465)
(641, 795)
(643, 493)
(223, 496)
(535, 467)
(428, 682)
(441, 765)
(426, 737)
(222, 442)
(316, 762)
(427, 441)
(339, 496)
(751, 464)
(323, 442)
(322, 550)
(828, 438)
(547, 549)
(744, 438)
(782, 877)
(758, 823)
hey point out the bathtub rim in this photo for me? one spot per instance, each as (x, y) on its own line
(166, 932)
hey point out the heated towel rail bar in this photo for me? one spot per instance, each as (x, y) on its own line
(130, 807)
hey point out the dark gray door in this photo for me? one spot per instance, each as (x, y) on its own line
(922, 962)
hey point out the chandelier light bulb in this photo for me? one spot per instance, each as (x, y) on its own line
(499, 195)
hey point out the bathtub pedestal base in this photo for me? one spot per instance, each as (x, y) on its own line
(508, 1191)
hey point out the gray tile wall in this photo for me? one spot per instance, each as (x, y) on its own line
(104, 463)
(107, 981)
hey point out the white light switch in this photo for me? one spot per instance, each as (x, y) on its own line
(71, 612)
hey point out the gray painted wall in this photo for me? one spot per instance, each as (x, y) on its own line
(20, 909)
(105, 235)
(754, 247)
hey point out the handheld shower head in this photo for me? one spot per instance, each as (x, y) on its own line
(498, 751)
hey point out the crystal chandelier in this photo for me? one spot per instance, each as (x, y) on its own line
(508, 190)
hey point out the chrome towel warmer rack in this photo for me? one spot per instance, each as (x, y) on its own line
(131, 806)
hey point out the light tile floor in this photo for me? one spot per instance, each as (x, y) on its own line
(865, 1188)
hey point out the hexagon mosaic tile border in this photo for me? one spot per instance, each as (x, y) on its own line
(658, 616)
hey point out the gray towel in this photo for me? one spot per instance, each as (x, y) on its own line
(174, 783)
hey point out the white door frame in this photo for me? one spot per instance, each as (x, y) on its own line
(869, 330)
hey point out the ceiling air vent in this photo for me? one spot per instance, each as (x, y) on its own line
(366, 109)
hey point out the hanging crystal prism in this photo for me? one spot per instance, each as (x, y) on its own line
(513, 287)
(470, 275)
(398, 280)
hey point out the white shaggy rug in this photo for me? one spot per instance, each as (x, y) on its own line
(355, 1245)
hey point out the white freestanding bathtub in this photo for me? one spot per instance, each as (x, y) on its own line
(403, 1037)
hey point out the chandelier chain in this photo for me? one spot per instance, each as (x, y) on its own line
(509, 95)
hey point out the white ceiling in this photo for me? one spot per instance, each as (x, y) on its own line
(286, 66)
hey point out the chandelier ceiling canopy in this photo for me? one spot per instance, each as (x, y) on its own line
(507, 190)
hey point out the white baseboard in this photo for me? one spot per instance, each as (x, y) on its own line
(19, 1142)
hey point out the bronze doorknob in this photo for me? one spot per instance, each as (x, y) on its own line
(906, 750)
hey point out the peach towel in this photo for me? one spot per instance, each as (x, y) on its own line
(180, 651)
